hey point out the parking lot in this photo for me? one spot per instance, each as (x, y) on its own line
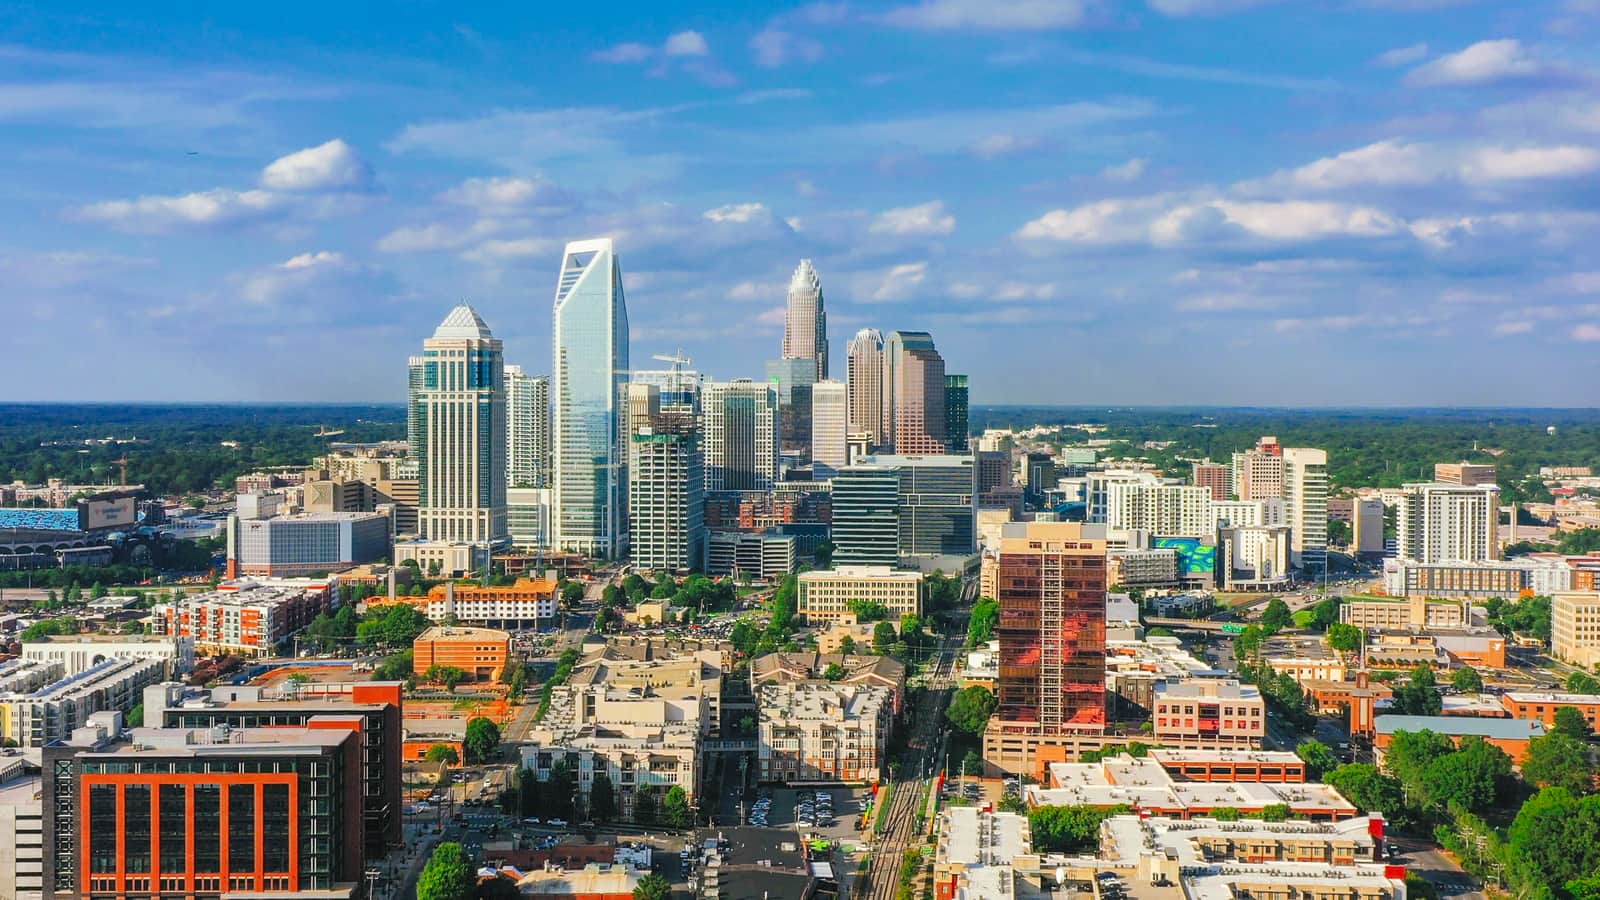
(785, 808)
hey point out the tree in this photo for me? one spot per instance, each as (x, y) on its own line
(971, 708)
(981, 624)
(1370, 790)
(823, 554)
(1319, 759)
(135, 717)
(443, 753)
(397, 667)
(1466, 680)
(97, 591)
(482, 739)
(972, 763)
(500, 887)
(868, 610)
(1582, 683)
(1345, 638)
(1225, 814)
(1276, 616)
(449, 676)
(1570, 722)
(1069, 829)
(1559, 760)
(883, 637)
(393, 626)
(675, 808)
(1471, 777)
(644, 806)
(602, 798)
(561, 789)
(834, 672)
(1555, 839)
(1418, 696)
(652, 887)
(447, 876)
(847, 645)
(1275, 812)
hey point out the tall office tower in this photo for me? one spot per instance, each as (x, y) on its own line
(643, 404)
(866, 516)
(1305, 494)
(1213, 477)
(527, 429)
(1039, 470)
(741, 429)
(415, 434)
(666, 489)
(805, 322)
(864, 381)
(590, 358)
(994, 470)
(1366, 519)
(462, 409)
(1165, 510)
(829, 432)
(955, 414)
(913, 382)
(794, 379)
(1258, 473)
(1051, 586)
(1437, 522)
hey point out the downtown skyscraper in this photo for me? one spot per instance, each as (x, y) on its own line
(913, 384)
(458, 410)
(590, 367)
(864, 385)
(527, 429)
(805, 321)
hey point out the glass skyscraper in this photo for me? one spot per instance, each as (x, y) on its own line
(590, 360)
(459, 419)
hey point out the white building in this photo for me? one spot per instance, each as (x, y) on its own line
(817, 731)
(528, 516)
(527, 429)
(1267, 512)
(80, 652)
(1166, 510)
(825, 594)
(1253, 556)
(461, 404)
(864, 386)
(36, 718)
(1439, 522)
(745, 553)
(1366, 523)
(666, 493)
(21, 831)
(830, 412)
(740, 435)
(1305, 494)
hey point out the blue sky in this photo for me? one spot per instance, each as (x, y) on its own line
(1306, 202)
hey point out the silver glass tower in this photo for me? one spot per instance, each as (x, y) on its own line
(590, 360)
(805, 322)
(460, 406)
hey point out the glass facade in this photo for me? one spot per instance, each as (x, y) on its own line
(866, 516)
(1052, 631)
(956, 426)
(460, 401)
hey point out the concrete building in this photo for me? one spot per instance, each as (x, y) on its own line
(1212, 476)
(1575, 627)
(290, 545)
(589, 332)
(1439, 522)
(1366, 524)
(527, 429)
(818, 731)
(1253, 558)
(1169, 510)
(1510, 735)
(666, 492)
(740, 435)
(1415, 612)
(1209, 713)
(527, 603)
(462, 407)
(933, 519)
(866, 517)
(1142, 568)
(864, 385)
(1259, 473)
(1305, 496)
(481, 653)
(1052, 595)
(830, 411)
(81, 652)
(977, 852)
(1269, 512)
(528, 513)
(763, 555)
(994, 470)
(36, 718)
(956, 402)
(1464, 473)
(855, 668)
(825, 594)
(1478, 580)
(21, 830)
(249, 617)
(913, 378)
(1152, 787)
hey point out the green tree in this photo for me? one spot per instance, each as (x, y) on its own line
(834, 672)
(1555, 839)
(482, 739)
(1345, 638)
(652, 887)
(971, 708)
(1466, 680)
(883, 637)
(1559, 760)
(1570, 722)
(135, 717)
(824, 554)
(1471, 777)
(1582, 683)
(447, 876)
(1370, 790)
(675, 808)
(443, 753)
(1275, 812)
(396, 667)
(97, 591)
(868, 610)
(602, 799)
(1319, 759)
(972, 763)
(1069, 829)
(847, 645)
(1276, 616)
(1226, 814)
(449, 676)
(981, 624)
(1410, 754)
(1419, 696)
(644, 806)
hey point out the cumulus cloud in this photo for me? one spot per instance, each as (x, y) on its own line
(1002, 145)
(1017, 15)
(506, 194)
(893, 284)
(1389, 162)
(1586, 332)
(924, 219)
(1401, 56)
(203, 209)
(624, 53)
(686, 43)
(1167, 220)
(740, 213)
(1513, 164)
(305, 276)
(1485, 62)
(773, 47)
(316, 258)
(1398, 163)
(334, 166)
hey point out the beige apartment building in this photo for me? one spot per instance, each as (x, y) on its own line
(1575, 627)
(1463, 473)
(825, 595)
(1412, 612)
(816, 731)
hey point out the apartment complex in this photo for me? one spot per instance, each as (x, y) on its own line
(522, 604)
(21, 831)
(1305, 496)
(819, 731)
(826, 594)
(1169, 510)
(1212, 476)
(1259, 473)
(1439, 522)
(79, 652)
(1575, 627)
(1415, 612)
(853, 668)
(1205, 713)
(481, 653)
(527, 429)
(247, 617)
(1480, 579)
(666, 492)
(37, 717)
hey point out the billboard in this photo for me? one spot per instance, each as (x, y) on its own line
(1194, 557)
(97, 513)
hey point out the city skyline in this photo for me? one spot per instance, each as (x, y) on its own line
(1160, 186)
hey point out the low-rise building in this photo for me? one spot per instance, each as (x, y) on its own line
(79, 652)
(1142, 568)
(825, 595)
(422, 735)
(1510, 735)
(1264, 766)
(481, 653)
(1414, 611)
(22, 676)
(1477, 579)
(1575, 627)
(1206, 712)
(857, 668)
(832, 638)
(262, 542)
(1148, 785)
(816, 731)
(1307, 668)
(1541, 706)
(1135, 669)
(595, 881)
(251, 617)
(527, 603)
(50, 713)
(763, 555)
(978, 851)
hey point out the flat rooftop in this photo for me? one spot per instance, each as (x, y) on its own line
(1459, 726)
(1145, 783)
(462, 633)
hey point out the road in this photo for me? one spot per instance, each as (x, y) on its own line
(1430, 862)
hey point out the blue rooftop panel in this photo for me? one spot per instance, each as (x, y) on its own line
(49, 519)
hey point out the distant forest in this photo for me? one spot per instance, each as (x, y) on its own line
(180, 447)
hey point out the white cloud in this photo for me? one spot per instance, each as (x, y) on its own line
(1002, 145)
(1295, 220)
(1224, 303)
(740, 213)
(624, 53)
(435, 236)
(1510, 164)
(924, 219)
(1018, 15)
(1586, 332)
(1401, 56)
(334, 166)
(746, 291)
(1320, 323)
(1099, 222)
(506, 193)
(774, 47)
(218, 207)
(1509, 328)
(686, 43)
(896, 283)
(1132, 170)
(1167, 219)
(297, 277)
(1389, 163)
(1184, 8)
(501, 251)
(1482, 63)
(317, 258)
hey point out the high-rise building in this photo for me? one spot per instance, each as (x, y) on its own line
(794, 380)
(666, 491)
(680, 387)
(1366, 522)
(741, 429)
(805, 323)
(1213, 477)
(864, 381)
(914, 393)
(866, 517)
(955, 414)
(829, 427)
(1464, 473)
(527, 429)
(1438, 522)
(1051, 587)
(994, 470)
(1305, 495)
(931, 523)
(1258, 473)
(461, 404)
(1167, 510)
(590, 360)
(414, 420)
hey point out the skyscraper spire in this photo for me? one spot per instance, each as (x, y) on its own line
(805, 326)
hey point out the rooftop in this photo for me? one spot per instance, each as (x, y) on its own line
(973, 837)
(104, 639)
(1559, 698)
(1459, 726)
(462, 633)
(1146, 784)
(463, 322)
(226, 741)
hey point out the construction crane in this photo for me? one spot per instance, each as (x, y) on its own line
(679, 363)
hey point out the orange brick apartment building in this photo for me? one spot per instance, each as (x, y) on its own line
(480, 652)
